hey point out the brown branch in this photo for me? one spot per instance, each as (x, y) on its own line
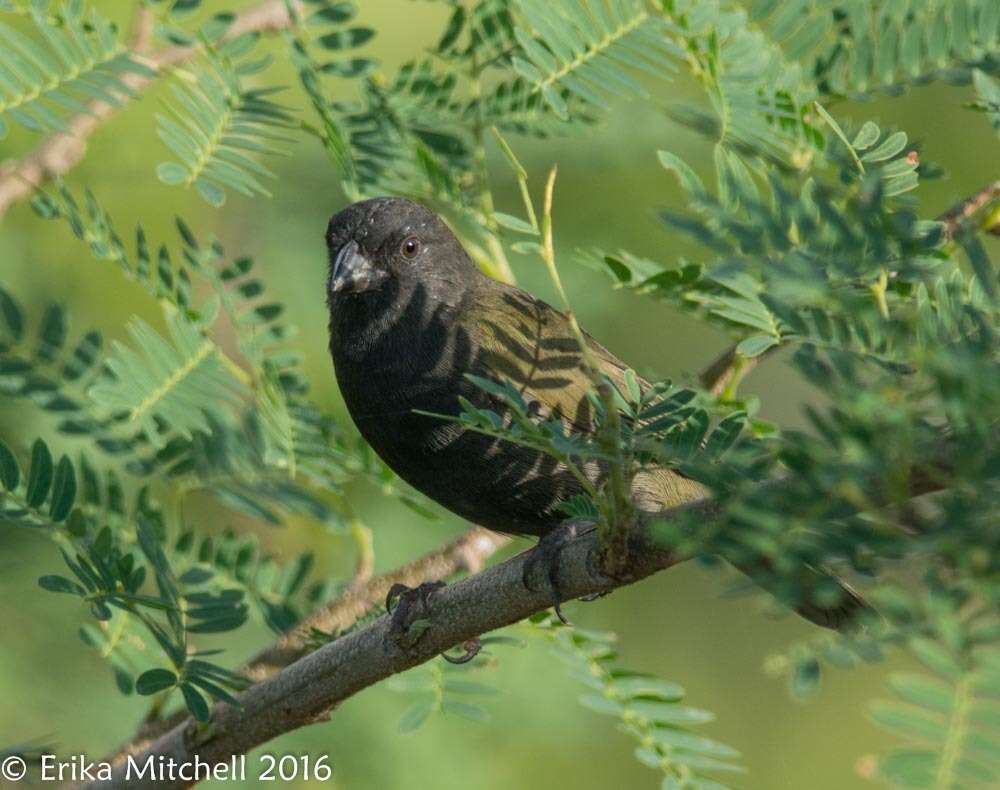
(305, 691)
(143, 26)
(60, 152)
(962, 212)
(468, 554)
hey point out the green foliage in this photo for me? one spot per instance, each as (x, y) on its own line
(42, 495)
(278, 593)
(861, 45)
(988, 91)
(947, 712)
(217, 128)
(325, 27)
(582, 47)
(441, 687)
(759, 99)
(75, 58)
(649, 709)
(767, 284)
(162, 388)
(109, 576)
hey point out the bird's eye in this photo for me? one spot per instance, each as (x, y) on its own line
(410, 247)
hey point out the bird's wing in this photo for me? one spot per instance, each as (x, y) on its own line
(532, 344)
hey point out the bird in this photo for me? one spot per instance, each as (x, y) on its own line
(412, 319)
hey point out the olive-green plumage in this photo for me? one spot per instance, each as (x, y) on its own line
(410, 316)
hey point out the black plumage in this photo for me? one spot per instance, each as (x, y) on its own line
(410, 315)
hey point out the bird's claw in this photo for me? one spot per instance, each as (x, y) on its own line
(422, 591)
(471, 647)
(545, 555)
(408, 608)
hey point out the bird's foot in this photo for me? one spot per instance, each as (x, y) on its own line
(409, 608)
(542, 563)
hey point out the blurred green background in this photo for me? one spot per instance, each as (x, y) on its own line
(677, 624)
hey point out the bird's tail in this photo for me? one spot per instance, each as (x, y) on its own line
(840, 615)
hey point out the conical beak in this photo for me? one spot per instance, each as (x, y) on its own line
(353, 272)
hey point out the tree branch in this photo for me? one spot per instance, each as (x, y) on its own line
(467, 553)
(62, 151)
(965, 210)
(305, 691)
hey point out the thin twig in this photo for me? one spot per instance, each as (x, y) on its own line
(58, 153)
(965, 210)
(143, 25)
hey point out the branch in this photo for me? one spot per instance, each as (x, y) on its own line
(60, 152)
(962, 212)
(467, 553)
(728, 369)
(305, 692)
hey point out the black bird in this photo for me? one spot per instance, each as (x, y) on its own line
(410, 316)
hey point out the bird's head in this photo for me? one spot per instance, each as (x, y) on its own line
(389, 240)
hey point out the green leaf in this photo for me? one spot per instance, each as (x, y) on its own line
(866, 136)
(346, 39)
(153, 681)
(195, 702)
(514, 223)
(671, 738)
(601, 704)
(39, 474)
(171, 173)
(755, 345)
(10, 474)
(910, 767)
(890, 147)
(63, 490)
(11, 315)
(935, 657)
(60, 584)
(642, 686)
(923, 691)
(213, 193)
(415, 716)
(465, 710)
(689, 180)
(670, 713)
(908, 721)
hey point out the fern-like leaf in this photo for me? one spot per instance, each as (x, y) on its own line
(949, 714)
(175, 381)
(588, 47)
(79, 59)
(217, 128)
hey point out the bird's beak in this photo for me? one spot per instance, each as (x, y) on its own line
(353, 272)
